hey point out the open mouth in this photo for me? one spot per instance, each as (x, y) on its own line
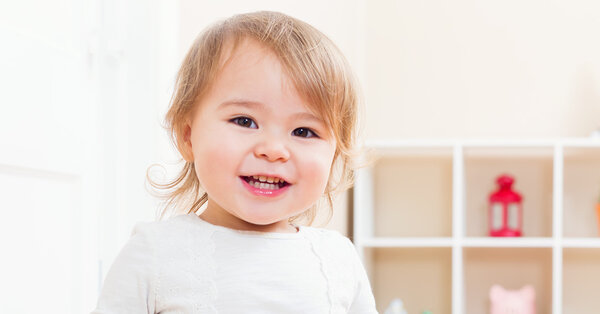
(265, 183)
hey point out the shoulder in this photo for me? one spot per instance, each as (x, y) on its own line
(167, 230)
(332, 240)
(327, 234)
(169, 223)
(341, 265)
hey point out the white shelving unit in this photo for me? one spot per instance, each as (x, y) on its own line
(420, 223)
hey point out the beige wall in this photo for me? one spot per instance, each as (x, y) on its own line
(438, 69)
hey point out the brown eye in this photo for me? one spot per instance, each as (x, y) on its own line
(244, 122)
(304, 132)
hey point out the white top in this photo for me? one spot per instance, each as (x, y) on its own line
(187, 265)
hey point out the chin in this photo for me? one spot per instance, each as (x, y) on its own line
(264, 218)
(261, 221)
(259, 214)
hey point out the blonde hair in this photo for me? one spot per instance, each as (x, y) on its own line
(315, 65)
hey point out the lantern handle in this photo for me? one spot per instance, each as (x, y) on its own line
(505, 181)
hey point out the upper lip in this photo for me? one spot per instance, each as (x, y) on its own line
(269, 175)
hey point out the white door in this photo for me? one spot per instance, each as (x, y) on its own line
(48, 163)
(79, 124)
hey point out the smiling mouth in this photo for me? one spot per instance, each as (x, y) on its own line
(265, 183)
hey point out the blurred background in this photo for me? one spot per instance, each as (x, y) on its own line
(85, 84)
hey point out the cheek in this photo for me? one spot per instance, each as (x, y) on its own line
(216, 161)
(316, 168)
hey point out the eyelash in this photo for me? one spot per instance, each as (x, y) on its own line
(237, 120)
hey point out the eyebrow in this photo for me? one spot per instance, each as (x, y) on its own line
(242, 103)
(260, 106)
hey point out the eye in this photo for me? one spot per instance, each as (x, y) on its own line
(304, 132)
(244, 122)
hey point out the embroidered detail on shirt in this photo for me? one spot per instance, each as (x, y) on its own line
(337, 270)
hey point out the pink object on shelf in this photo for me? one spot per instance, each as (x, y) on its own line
(512, 301)
(505, 211)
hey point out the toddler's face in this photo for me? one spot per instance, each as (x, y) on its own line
(253, 126)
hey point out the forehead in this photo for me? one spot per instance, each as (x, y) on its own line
(251, 71)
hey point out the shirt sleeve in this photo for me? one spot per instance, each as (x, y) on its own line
(364, 301)
(129, 285)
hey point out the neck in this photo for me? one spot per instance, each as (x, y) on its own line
(218, 216)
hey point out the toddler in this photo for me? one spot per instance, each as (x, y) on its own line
(264, 114)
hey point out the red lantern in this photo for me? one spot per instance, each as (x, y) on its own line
(506, 211)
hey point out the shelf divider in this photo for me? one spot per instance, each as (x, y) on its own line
(509, 242)
(557, 218)
(458, 229)
(363, 208)
(582, 243)
(407, 242)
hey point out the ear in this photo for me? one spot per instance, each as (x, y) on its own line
(528, 293)
(496, 293)
(184, 142)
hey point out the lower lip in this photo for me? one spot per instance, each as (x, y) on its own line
(264, 192)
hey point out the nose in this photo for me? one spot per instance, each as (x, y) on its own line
(272, 148)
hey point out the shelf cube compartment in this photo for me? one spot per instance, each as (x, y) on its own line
(420, 277)
(581, 195)
(581, 280)
(511, 268)
(412, 193)
(532, 169)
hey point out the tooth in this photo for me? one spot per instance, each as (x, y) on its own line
(276, 180)
(262, 178)
(264, 186)
(270, 179)
(257, 184)
(255, 177)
